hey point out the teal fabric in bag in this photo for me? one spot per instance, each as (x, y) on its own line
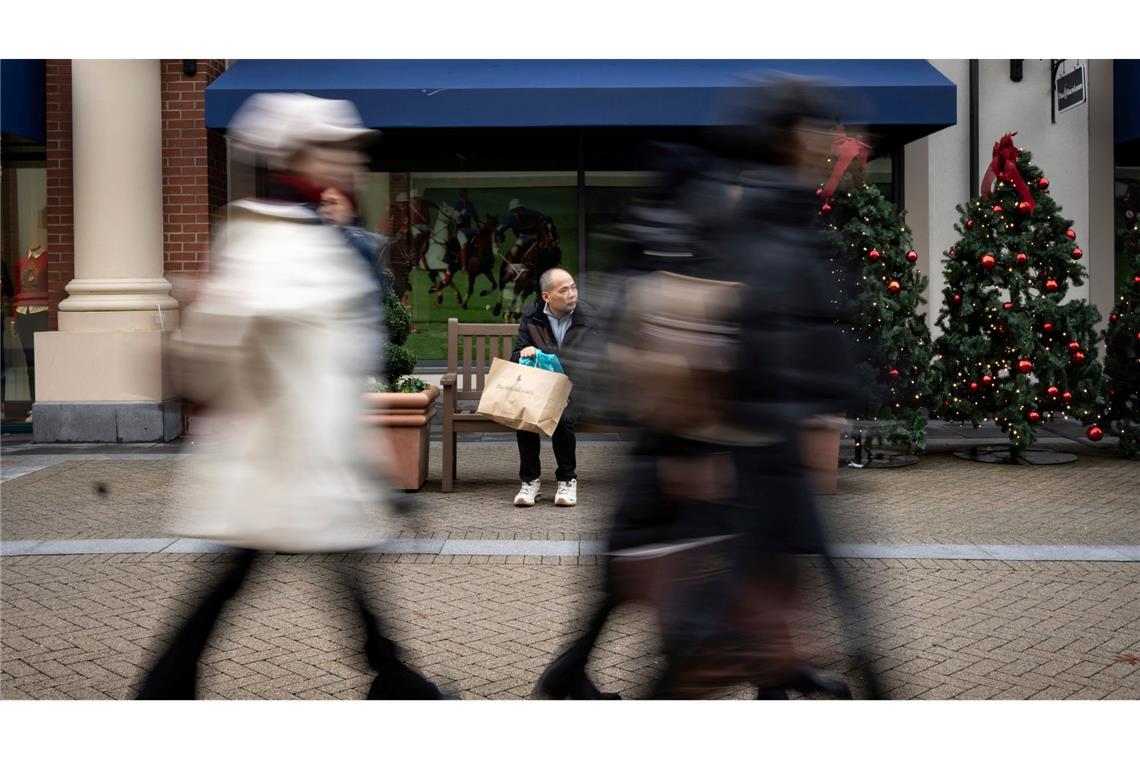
(543, 360)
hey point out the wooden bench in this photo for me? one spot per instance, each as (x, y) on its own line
(470, 348)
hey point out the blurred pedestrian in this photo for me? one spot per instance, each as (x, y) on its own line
(727, 348)
(272, 344)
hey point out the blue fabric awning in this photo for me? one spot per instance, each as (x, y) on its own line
(22, 98)
(1126, 100)
(580, 93)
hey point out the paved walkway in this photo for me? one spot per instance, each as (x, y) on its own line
(979, 581)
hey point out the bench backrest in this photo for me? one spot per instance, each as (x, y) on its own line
(470, 348)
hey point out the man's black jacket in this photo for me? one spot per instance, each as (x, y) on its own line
(535, 330)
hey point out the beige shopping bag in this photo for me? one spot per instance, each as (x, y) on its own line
(524, 398)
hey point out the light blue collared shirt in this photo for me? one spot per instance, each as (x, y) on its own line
(560, 326)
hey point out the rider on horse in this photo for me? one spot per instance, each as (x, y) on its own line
(467, 225)
(527, 225)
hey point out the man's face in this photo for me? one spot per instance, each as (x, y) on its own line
(563, 293)
(335, 208)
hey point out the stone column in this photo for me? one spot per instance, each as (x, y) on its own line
(100, 377)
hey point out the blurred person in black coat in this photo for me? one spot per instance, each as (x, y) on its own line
(743, 213)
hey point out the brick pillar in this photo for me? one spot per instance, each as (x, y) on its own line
(60, 218)
(193, 167)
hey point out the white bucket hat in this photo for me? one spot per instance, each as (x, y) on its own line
(515, 203)
(276, 124)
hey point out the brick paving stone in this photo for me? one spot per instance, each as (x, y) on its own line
(990, 505)
(488, 630)
(86, 626)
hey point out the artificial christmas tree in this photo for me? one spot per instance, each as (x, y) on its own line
(876, 269)
(1122, 348)
(1011, 351)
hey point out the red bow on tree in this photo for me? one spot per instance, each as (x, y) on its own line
(1004, 168)
(846, 150)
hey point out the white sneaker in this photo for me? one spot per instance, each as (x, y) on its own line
(567, 494)
(528, 493)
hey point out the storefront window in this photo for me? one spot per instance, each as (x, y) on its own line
(470, 245)
(1126, 191)
(25, 281)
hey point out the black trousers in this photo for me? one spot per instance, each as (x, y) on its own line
(174, 674)
(565, 445)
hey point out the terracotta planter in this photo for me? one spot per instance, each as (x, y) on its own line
(819, 446)
(404, 419)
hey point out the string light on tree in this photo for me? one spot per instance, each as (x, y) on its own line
(873, 257)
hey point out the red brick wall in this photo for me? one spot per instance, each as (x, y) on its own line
(60, 219)
(193, 167)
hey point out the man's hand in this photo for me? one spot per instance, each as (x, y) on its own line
(528, 352)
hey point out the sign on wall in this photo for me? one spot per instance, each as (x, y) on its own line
(1072, 88)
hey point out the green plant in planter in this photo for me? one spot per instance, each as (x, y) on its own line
(399, 361)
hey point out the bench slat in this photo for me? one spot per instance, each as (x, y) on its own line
(466, 363)
(486, 328)
(480, 363)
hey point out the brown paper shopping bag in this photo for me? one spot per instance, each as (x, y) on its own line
(524, 398)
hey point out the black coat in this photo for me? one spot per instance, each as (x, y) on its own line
(535, 330)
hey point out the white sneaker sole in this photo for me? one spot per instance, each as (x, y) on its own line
(565, 503)
(519, 502)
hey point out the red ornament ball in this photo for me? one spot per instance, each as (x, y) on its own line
(988, 261)
(1022, 259)
(953, 252)
(894, 374)
(1136, 279)
(1095, 433)
(1024, 366)
(874, 255)
(1034, 417)
(998, 209)
(973, 387)
(893, 287)
(1007, 305)
(1066, 397)
(1051, 285)
(969, 224)
(1074, 346)
(1071, 234)
(1024, 207)
(987, 380)
(957, 298)
(911, 256)
(1079, 357)
(1052, 390)
(1112, 318)
(819, 192)
(825, 209)
(1043, 183)
(1047, 327)
(1077, 253)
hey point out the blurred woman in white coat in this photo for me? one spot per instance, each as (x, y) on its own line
(277, 345)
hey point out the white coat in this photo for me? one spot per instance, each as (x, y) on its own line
(278, 345)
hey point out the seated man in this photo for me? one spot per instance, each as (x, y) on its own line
(557, 324)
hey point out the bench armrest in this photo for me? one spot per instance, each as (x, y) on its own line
(447, 383)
